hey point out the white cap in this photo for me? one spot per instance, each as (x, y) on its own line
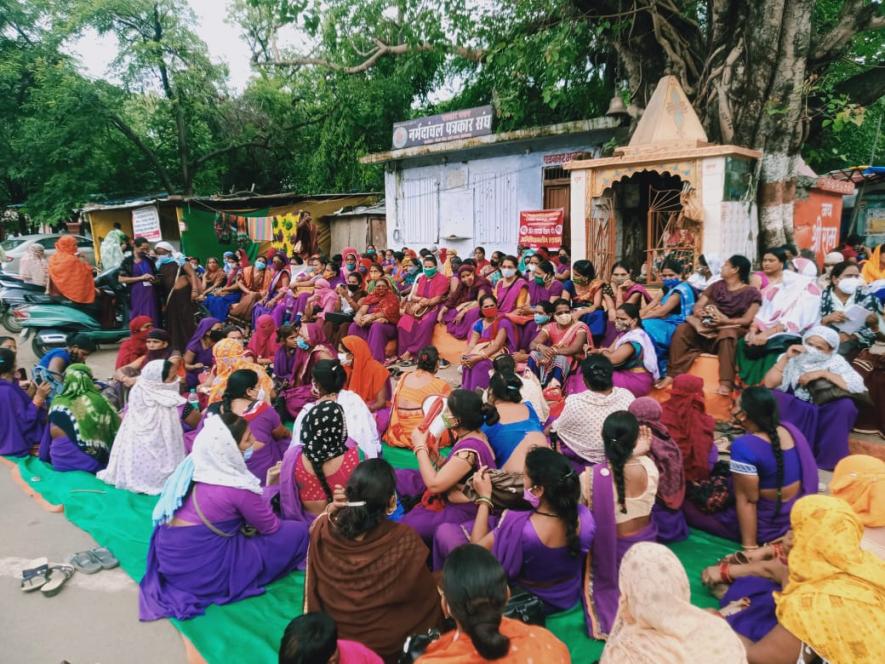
(165, 246)
(833, 257)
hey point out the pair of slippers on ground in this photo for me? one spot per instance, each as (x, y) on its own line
(50, 579)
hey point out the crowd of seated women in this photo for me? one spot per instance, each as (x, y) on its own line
(269, 438)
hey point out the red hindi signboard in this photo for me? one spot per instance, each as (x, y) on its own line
(541, 228)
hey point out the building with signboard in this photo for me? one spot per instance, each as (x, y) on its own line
(455, 184)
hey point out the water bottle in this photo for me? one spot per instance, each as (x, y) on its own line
(193, 399)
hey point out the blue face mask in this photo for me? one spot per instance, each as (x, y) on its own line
(540, 319)
(302, 344)
(670, 284)
(248, 453)
(165, 259)
(260, 265)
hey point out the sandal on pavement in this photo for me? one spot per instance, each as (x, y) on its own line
(85, 562)
(105, 558)
(34, 578)
(58, 575)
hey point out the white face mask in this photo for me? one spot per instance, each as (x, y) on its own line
(345, 359)
(815, 354)
(508, 272)
(262, 395)
(849, 285)
(564, 318)
(530, 268)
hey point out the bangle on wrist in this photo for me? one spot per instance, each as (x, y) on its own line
(419, 448)
(487, 501)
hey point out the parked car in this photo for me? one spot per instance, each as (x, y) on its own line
(16, 247)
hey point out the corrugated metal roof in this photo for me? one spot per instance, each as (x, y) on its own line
(263, 200)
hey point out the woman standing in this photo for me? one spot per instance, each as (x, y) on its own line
(82, 425)
(199, 554)
(139, 273)
(198, 353)
(376, 319)
(420, 310)
(22, 414)
(558, 347)
(369, 573)
(179, 287)
(461, 309)
(771, 468)
(492, 335)
(542, 549)
(150, 442)
(722, 315)
(661, 320)
(411, 391)
(632, 353)
(442, 500)
(621, 493)
(796, 376)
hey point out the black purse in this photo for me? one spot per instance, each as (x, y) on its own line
(824, 391)
(523, 606)
(778, 345)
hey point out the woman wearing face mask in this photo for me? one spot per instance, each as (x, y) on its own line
(376, 319)
(244, 397)
(199, 554)
(438, 483)
(178, 285)
(230, 355)
(351, 262)
(627, 291)
(295, 302)
(253, 283)
(263, 342)
(277, 289)
(845, 294)
(771, 468)
(420, 310)
(661, 320)
(492, 335)
(150, 442)
(368, 573)
(790, 304)
(632, 354)
(408, 275)
(349, 295)
(461, 310)
(793, 381)
(621, 493)
(135, 346)
(219, 302)
(589, 299)
(139, 273)
(543, 287)
(557, 348)
(294, 364)
(367, 377)
(412, 389)
(198, 352)
(511, 290)
(329, 380)
(542, 549)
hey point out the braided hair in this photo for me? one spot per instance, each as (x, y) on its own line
(238, 383)
(324, 437)
(761, 409)
(619, 433)
(562, 490)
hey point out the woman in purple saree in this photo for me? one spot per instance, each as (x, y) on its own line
(461, 310)
(198, 352)
(295, 366)
(22, 418)
(621, 519)
(421, 309)
(442, 500)
(199, 553)
(278, 288)
(541, 549)
(771, 468)
(542, 287)
(492, 335)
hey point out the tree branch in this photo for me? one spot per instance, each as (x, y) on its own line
(864, 88)
(381, 49)
(127, 131)
(229, 148)
(856, 17)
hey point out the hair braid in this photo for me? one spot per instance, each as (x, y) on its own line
(321, 476)
(771, 430)
(617, 468)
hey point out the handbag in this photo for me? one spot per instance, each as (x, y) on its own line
(824, 391)
(336, 317)
(778, 345)
(507, 490)
(523, 606)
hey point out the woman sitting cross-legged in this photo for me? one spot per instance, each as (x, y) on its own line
(621, 493)
(474, 593)
(369, 574)
(771, 468)
(439, 486)
(518, 428)
(329, 378)
(814, 385)
(245, 397)
(150, 441)
(82, 425)
(215, 540)
(492, 335)
(656, 622)
(412, 389)
(326, 457)
(558, 348)
(541, 550)
(633, 356)
(579, 428)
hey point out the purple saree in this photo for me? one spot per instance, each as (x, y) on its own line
(143, 297)
(22, 424)
(460, 329)
(826, 427)
(415, 333)
(64, 455)
(478, 376)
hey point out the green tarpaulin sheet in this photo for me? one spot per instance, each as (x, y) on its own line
(250, 631)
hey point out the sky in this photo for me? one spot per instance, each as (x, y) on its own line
(223, 40)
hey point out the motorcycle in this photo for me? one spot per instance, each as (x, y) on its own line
(48, 325)
(14, 293)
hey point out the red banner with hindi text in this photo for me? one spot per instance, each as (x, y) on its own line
(541, 228)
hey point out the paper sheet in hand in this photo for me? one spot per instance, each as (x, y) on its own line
(855, 316)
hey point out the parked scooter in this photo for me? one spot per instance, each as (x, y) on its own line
(14, 293)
